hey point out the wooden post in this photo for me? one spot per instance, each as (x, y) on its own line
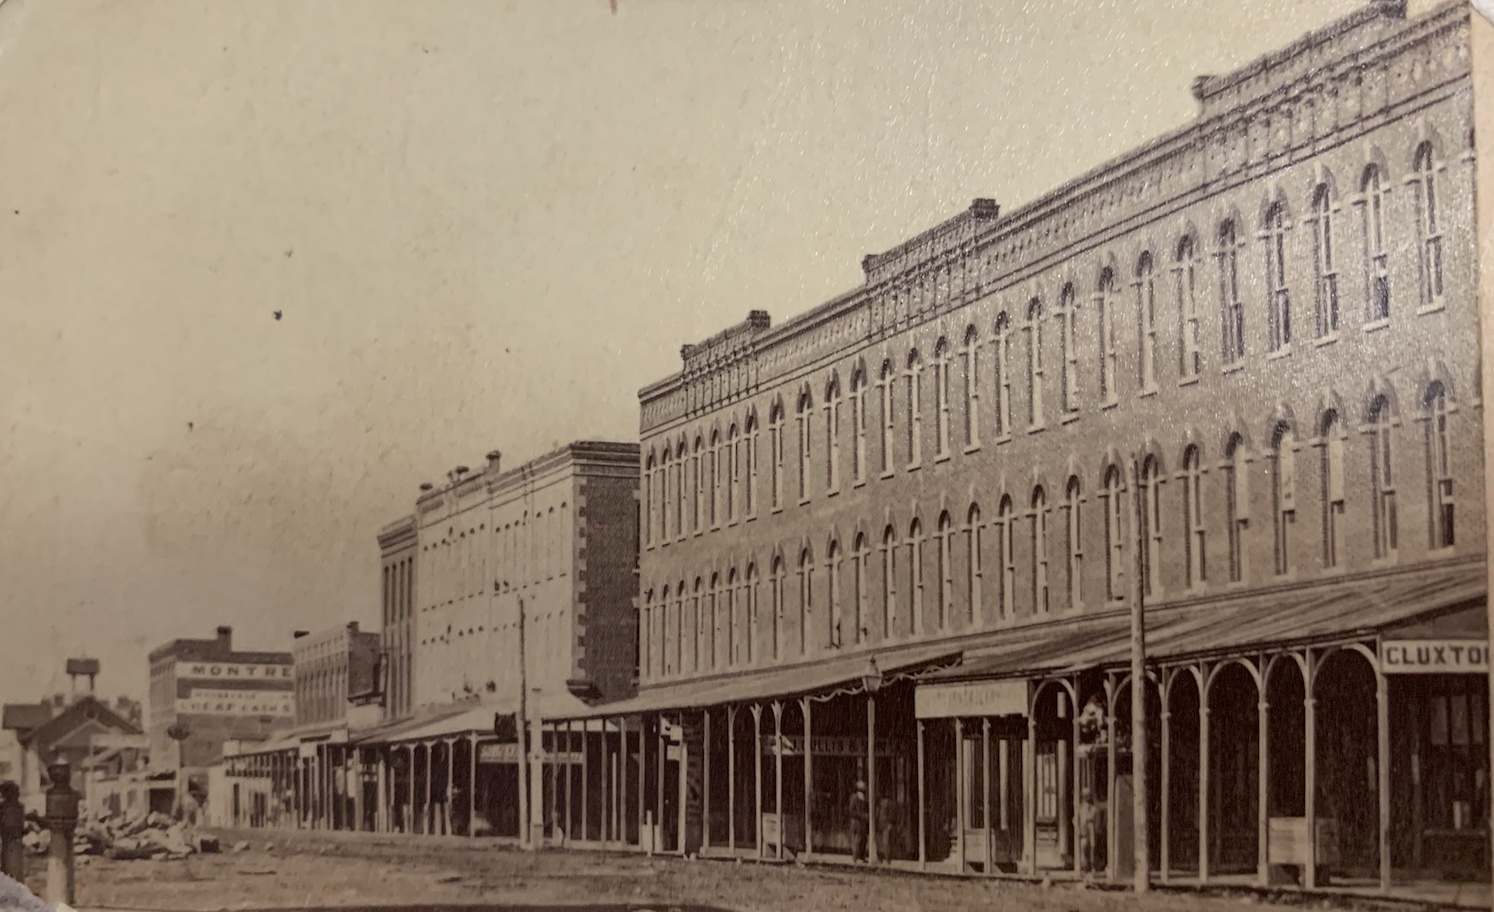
(731, 778)
(642, 777)
(804, 704)
(683, 785)
(448, 824)
(1074, 735)
(1004, 782)
(705, 775)
(1310, 705)
(873, 854)
(1166, 796)
(922, 810)
(778, 775)
(757, 775)
(1139, 752)
(586, 782)
(1263, 797)
(427, 816)
(961, 791)
(1112, 819)
(663, 756)
(985, 793)
(1029, 797)
(1382, 773)
(472, 786)
(1203, 773)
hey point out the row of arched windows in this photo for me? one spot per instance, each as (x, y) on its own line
(971, 570)
(694, 487)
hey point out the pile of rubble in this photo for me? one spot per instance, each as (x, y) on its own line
(125, 837)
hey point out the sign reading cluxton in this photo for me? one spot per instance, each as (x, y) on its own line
(232, 671)
(971, 698)
(1434, 657)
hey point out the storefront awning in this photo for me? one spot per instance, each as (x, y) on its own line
(770, 683)
(1242, 624)
(273, 745)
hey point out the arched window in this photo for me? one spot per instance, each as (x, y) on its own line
(915, 577)
(664, 634)
(806, 408)
(712, 629)
(752, 615)
(775, 444)
(884, 391)
(1146, 306)
(1193, 516)
(750, 461)
(1237, 505)
(832, 436)
(1151, 480)
(1115, 546)
(1439, 462)
(806, 598)
(1006, 526)
(1074, 542)
(946, 571)
(1279, 298)
(681, 464)
(1382, 464)
(717, 469)
(1428, 225)
(1232, 314)
(775, 584)
(1003, 346)
(733, 457)
(732, 587)
(697, 611)
(1068, 345)
(1284, 494)
(1035, 363)
(834, 564)
(650, 468)
(1190, 360)
(889, 582)
(1039, 551)
(1325, 299)
(697, 487)
(666, 504)
(974, 561)
(1333, 488)
(941, 397)
(858, 602)
(1105, 304)
(858, 426)
(914, 377)
(1376, 262)
(971, 355)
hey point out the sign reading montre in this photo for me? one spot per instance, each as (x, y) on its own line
(1434, 657)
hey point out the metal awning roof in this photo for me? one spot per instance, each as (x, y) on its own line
(765, 684)
(1245, 623)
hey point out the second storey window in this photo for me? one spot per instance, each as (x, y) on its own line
(973, 559)
(1284, 496)
(1039, 551)
(1333, 488)
(1193, 517)
(1439, 464)
(1376, 262)
(1068, 349)
(1279, 298)
(1035, 364)
(1074, 542)
(1190, 360)
(971, 355)
(1231, 313)
(1325, 299)
(941, 398)
(884, 393)
(889, 581)
(1115, 546)
(1386, 533)
(858, 426)
(1146, 307)
(946, 571)
(1003, 350)
(1105, 301)
(1428, 225)
(914, 380)
(806, 408)
(1236, 505)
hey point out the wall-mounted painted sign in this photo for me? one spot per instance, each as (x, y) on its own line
(970, 698)
(1435, 657)
(233, 671)
(237, 703)
(825, 746)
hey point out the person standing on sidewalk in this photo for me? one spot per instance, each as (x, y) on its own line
(12, 831)
(858, 815)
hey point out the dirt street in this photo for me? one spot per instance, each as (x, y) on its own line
(349, 870)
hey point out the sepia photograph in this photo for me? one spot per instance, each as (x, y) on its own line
(740, 456)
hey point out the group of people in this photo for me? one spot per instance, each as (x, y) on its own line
(859, 815)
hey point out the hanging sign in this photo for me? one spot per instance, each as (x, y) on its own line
(1434, 657)
(497, 753)
(970, 698)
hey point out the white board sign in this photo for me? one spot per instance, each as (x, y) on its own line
(970, 698)
(1435, 657)
(237, 703)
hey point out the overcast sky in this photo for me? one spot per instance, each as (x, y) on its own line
(485, 225)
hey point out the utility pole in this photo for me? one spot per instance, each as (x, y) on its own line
(521, 725)
(1481, 57)
(1140, 833)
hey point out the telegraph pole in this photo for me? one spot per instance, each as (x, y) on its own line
(1140, 830)
(521, 725)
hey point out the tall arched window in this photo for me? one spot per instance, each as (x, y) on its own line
(915, 577)
(697, 483)
(1003, 351)
(645, 636)
(1279, 298)
(974, 561)
(1386, 532)
(664, 633)
(1068, 345)
(946, 571)
(1284, 494)
(858, 602)
(806, 408)
(889, 582)
(1151, 479)
(1105, 304)
(1115, 546)
(1333, 488)
(697, 611)
(1146, 314)
(733, 590)
(914, 378)
(750, 494)
(1073, 543)
(1231, 313)
(884, 390)
(717, 471)
(832, 436)
(1376, 262)
(1006, 526)
(1035, 363)
(1190, 359)
(858, 426)
(971, 355)
(1236, 505)
(666, 504)
(775, 585)
(1039, 551)
(1193, 516)
(1439, 462)
(806, 598)
(681, 464)
(1428, 225)
(733, 457)
(775, 445)
(834, 564)
(753, 615)
(1325, 299)
(941, 398)
(712, 627)
(650, 468)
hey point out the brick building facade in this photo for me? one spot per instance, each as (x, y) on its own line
(397, 560)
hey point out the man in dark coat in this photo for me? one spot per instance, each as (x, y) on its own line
(858, 816)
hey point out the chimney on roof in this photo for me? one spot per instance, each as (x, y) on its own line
(983, 208)
(1199, 84)
(494, 458)
(1393, 8)
(225, 638)
(300, 633)
(352, 626)
(426, 486)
